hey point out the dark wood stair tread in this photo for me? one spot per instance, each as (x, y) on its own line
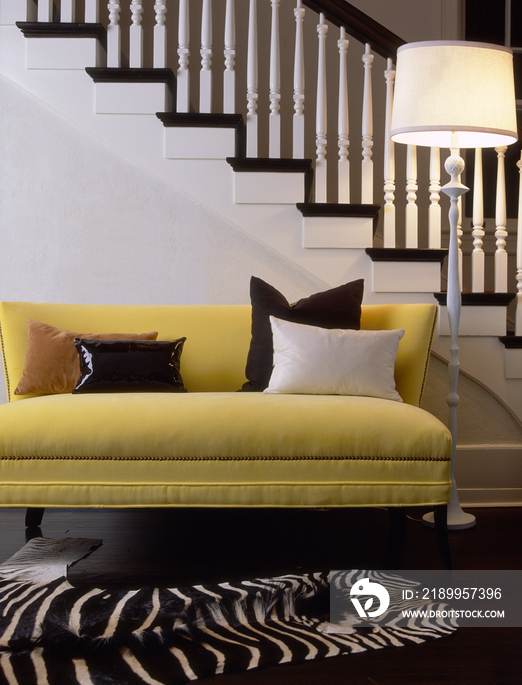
(173, 119)
(409, 254)
(41, 29)
(487, 299)
(130, 75)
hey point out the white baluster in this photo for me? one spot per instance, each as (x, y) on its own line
(159, 59)
(501, 256)
(205, 74)
(114, 34)
(389, 238)
(367, 131)
(45, 10)
(477, 257)
(434, 210)
(92, 12)
(321, 112)
(229, 75)
(412, 211)
(136, 35)
(299, 84)
(343, 128)
(274, 134)
(67, 11)
(252, 76)
(183, 74)
(518, 322)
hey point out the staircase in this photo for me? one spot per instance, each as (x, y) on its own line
(267, 174)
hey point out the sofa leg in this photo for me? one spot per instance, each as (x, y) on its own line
(33, 517)
(395, 542)
(441, 533)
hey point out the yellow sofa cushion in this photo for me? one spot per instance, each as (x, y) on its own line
(231, 449)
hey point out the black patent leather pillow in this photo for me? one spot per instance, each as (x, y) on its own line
(129, 366)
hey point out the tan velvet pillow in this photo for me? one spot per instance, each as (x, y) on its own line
(52, 364)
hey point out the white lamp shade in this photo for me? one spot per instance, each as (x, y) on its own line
(454, 86)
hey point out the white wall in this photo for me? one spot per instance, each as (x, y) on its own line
(81, 222)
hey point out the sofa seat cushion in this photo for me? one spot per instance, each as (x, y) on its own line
(221, 449)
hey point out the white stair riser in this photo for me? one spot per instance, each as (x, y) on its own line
(337, 232)
(272, 187)
(132, 98)
(406, 277)
(199, 143)
(476, 321)
(63, 53)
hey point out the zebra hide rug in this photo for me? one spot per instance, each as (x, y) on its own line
(52, 633)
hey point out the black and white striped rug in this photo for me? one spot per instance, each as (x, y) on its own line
(52, 633)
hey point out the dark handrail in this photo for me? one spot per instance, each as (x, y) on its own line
(358, 25)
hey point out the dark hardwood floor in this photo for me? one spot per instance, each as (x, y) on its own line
(185, 547)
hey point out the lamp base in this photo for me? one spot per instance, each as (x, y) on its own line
(457, 519)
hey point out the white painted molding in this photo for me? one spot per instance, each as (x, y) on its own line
(132, 98)
(474, 468)
(254, 188)
(406, 277)
(475, 321)
(62, 54)
(337, 232)
(199, 143)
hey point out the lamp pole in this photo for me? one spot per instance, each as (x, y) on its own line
(454, 165)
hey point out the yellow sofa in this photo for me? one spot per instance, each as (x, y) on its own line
(214, 446)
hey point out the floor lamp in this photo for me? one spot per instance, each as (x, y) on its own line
(454, 94)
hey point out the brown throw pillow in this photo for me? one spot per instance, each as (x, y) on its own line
(336, 308)
(52, 364)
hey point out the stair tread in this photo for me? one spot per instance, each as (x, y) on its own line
(269, 164)
(41, 29)
(322, 209)
(398, 254)
(129, 75)
(201, 120)
(511, 341)
(487, 299)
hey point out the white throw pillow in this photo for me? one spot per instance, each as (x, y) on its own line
(317, 361)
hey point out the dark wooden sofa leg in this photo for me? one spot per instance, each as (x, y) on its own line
(441, 533)
(33, 518)
(396, 538)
